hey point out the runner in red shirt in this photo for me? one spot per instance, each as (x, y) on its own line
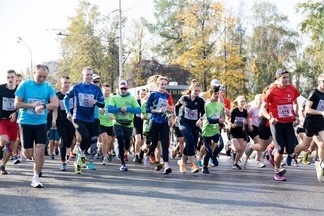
(281, 101)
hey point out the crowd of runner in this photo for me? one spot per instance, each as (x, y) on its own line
(86, 122)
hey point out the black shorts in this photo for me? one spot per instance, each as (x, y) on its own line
(300, 130)
(254, 132)
(177, 132)
(264, 130)
(238, 133)
(123, 131)
(108, 130)
(284, 137)
(312, 129)
(138, 130)
(33, 133)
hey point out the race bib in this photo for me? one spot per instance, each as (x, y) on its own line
(215, 116)
(8, 104)
(190, 114)
(285, 111)
(162, 103)
(84, 99)
(320, 105)
(239, 121)
(31, 111)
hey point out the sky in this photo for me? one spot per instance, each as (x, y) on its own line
(37, 23)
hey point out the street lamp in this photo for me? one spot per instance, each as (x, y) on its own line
(21, 41)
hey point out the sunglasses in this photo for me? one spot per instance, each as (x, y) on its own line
(123, 89)
(96, 81)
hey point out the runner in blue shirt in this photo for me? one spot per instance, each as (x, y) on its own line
(34, 97)
(86, 96)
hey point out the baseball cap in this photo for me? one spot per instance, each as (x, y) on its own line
(95, 76)
(215, 82)
(280, 72)
(123, 84)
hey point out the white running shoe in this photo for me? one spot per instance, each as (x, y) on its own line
(146, 162)
(261, 164)
(36, 183)
(319, 171)
(105, 161)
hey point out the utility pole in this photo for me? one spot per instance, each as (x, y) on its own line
(20, 40)
(120, 44)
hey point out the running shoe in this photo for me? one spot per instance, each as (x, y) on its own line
(289, 160)
(3, 170)
(91, 166)
(82, 162)
(305, 159)
(194, 168)
(167, 169)
(63, 167)
(279, 177)
(182, 166)
(159, 167)
(126, 157)
(104, 161)
(236, 166)
(205, 170)
(36, 183)
(280, 171)
(77, 168)
(123, 168)
(319, 167)
(214, 160)
(57, 151)
(16, 160)
(137, 159)
(260, 164)
(147, 162)
(110, 156)
(52, 157)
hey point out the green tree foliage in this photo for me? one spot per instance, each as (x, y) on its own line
(271, 45)
(81, 44)
(90, 40)
(312, 62)
(168, 27)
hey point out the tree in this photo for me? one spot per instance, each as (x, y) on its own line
(81, 43)
(201, 33)
(312, 63)
(168, 28)
(271, 45)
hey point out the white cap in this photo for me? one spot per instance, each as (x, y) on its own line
(215, 82)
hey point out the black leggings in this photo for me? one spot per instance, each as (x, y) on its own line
(87, 131)
(160, 131)
(66, 131)
(217, 138)
(123, 135)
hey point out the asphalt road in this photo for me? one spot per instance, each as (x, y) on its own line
(108, 191)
